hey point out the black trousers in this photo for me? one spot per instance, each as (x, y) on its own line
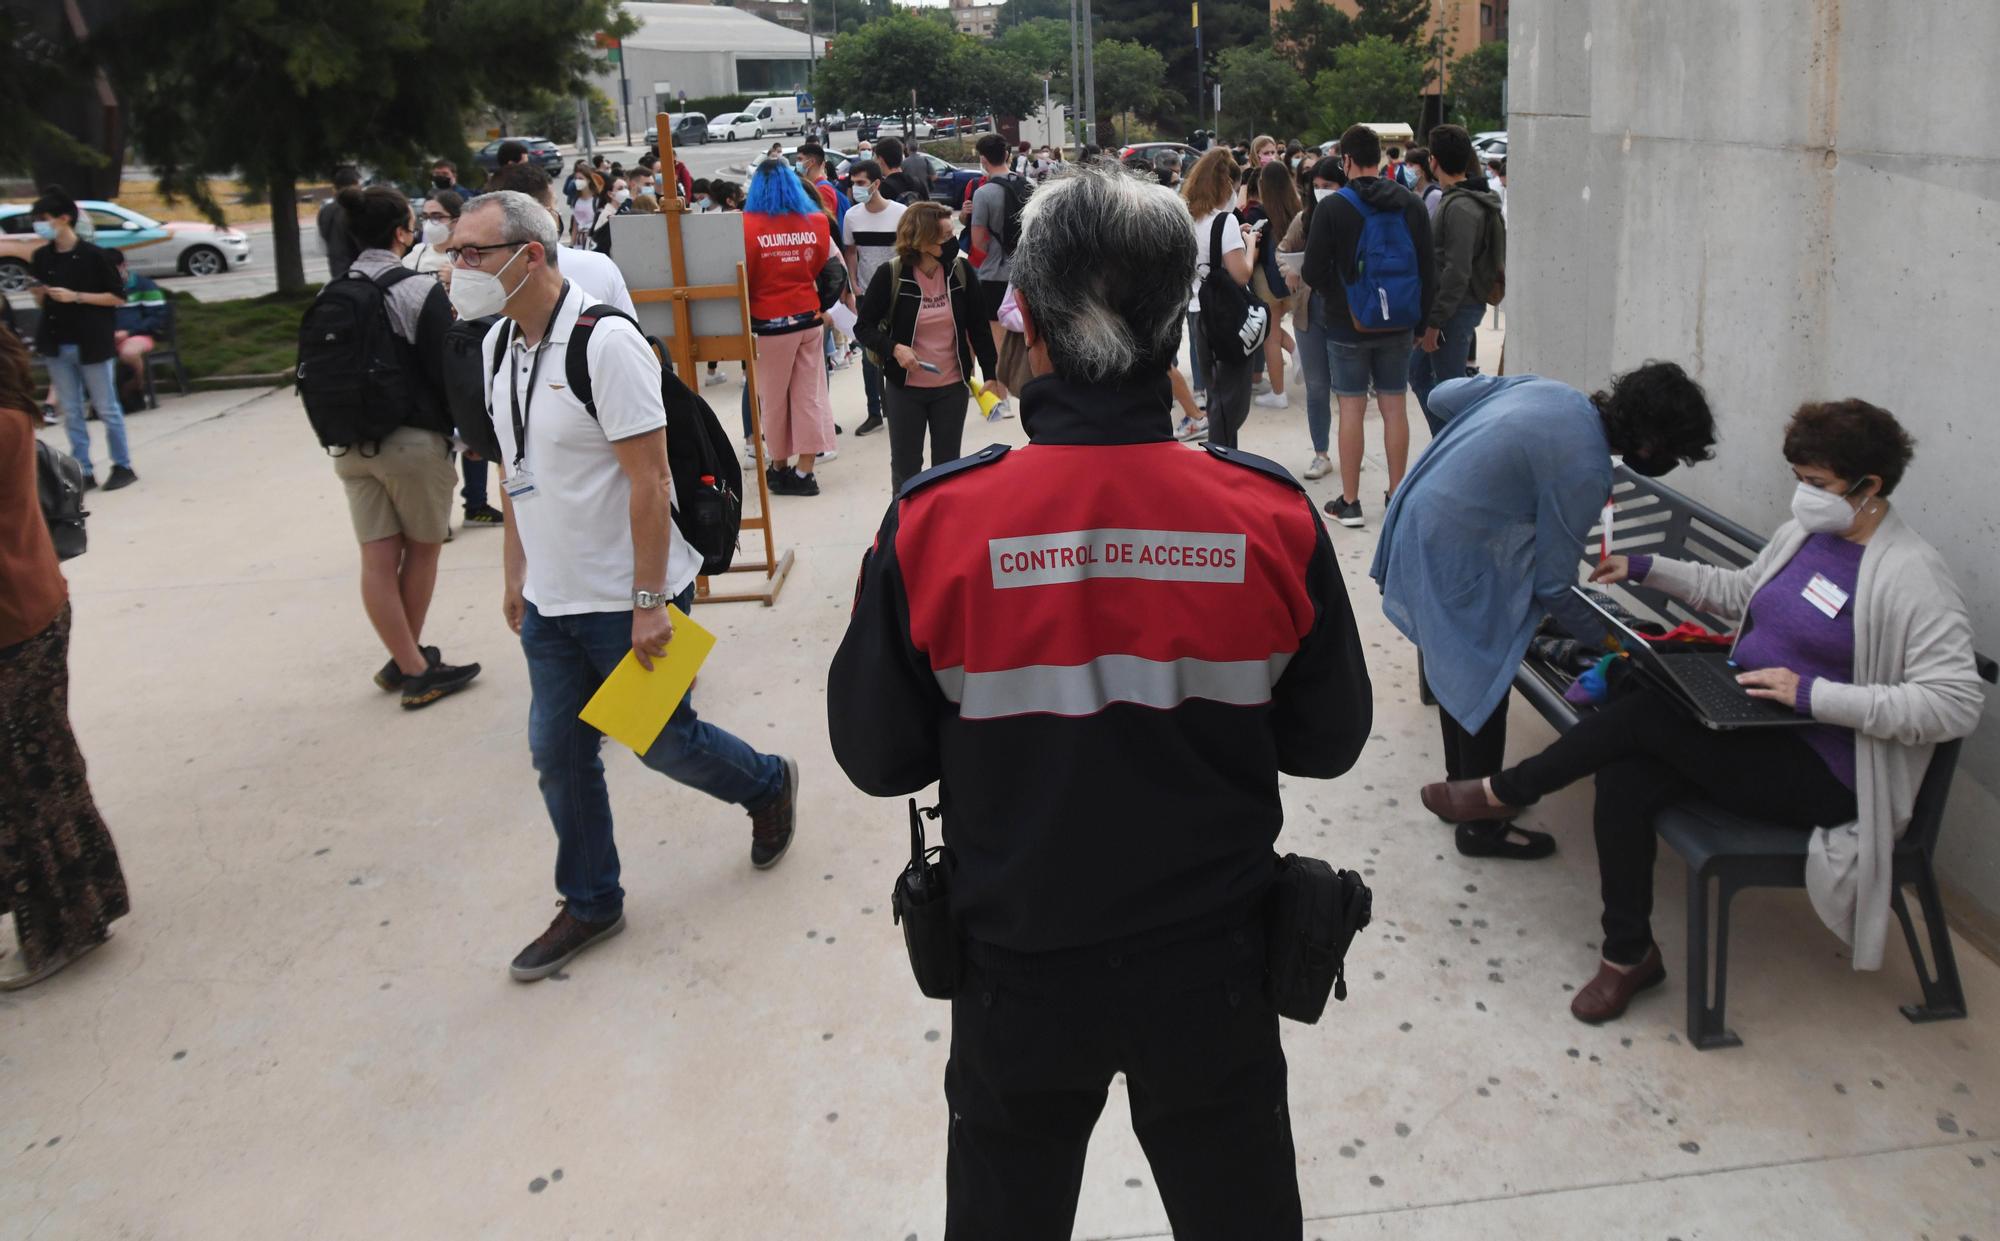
(1229, 386)
(1035, 1042)
(1647, 753)
(913, 411)
(1473, 755)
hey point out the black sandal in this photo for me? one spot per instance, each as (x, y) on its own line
(1491, 840)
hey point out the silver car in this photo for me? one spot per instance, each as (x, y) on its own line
(151, 247)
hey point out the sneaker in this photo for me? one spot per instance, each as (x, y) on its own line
(62, 957)
(391, 677)
(439, 680)
(49, 415)
(1201, 400)
(749, 455)
(90, 482)
(771, 827)
(870, 426)
(1004, 409)
(1346, 512)
(1191, 429)
(793, 483)
(1262, 385)
(837, 430)
(1272, 400)
(485, 515)
(714, 378)
(831, 454)
(1320, 467)
(558, 946)
(121, 476)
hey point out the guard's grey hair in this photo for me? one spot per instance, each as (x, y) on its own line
(523, 219)
(1106, 261)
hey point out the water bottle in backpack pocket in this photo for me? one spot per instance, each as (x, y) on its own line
(356, 377)
(1387, 294)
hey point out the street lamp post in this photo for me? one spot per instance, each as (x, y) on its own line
(1075, 83)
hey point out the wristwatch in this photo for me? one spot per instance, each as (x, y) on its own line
(646, 600)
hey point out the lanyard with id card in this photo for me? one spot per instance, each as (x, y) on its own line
(520, 482)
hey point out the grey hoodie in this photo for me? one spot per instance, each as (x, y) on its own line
(1471, 248)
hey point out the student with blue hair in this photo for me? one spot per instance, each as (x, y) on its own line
(787, 239)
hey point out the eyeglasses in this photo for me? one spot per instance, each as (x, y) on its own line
(474, 257)
(440, 217)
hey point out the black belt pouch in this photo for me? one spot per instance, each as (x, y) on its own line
(1314, 913)
(922, 904)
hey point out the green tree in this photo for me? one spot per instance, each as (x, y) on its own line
(32, 71)
(1476, 81)
(1129, 78)
(276, 93)
(1401, 21)
(553, 116)
(1261, 91)
(1041, 45)
(983, 78)
(1020, 12)
(875, 68)
(1375, 79)
(1164, 26)
(1310, 32)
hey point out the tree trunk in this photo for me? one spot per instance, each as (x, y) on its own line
(285, 253)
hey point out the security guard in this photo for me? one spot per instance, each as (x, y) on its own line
(1104, 647)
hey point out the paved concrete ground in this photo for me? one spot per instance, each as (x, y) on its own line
(305, 1029)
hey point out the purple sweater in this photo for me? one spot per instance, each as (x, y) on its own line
(1784, 630)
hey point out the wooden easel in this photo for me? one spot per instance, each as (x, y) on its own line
(690, 352)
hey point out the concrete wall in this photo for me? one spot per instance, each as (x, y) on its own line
(1795, 199)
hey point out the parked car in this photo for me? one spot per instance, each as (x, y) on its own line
(1144, 152)
(1491, 145)
(949, 182)
(690, 129)
(834, 121)
(892, 127)
(735, 126)
(541, 152)
(866, 127)
(152, 248)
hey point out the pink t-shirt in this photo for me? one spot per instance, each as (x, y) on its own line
(936, 339)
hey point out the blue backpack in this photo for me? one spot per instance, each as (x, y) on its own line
(1388, 294)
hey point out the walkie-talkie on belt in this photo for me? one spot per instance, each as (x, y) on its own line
(922, 904)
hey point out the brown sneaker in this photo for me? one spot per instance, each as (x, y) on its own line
(566, 936)
(771, 827)
(1605, 997)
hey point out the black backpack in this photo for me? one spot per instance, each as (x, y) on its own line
(468, 385)
(358, 379)
(1016, 189)
(59, 479)
(1233, 319)
(708, 480)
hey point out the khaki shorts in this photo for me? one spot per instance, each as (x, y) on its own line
(405, 488)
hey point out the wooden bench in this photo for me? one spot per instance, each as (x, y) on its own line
(1726, 849)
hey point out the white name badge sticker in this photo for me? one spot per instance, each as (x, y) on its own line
(1824, 595)
(520, 485)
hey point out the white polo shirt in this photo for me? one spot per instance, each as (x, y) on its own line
(577, 527)
(597, 275)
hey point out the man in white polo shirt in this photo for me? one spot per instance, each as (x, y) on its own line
(592, 559)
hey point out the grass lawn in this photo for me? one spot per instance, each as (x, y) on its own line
(247, 336)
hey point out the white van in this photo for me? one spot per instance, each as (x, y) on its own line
(778, 114)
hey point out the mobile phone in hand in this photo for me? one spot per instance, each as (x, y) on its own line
(935, 370)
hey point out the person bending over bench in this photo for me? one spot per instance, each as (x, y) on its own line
(1851, 618)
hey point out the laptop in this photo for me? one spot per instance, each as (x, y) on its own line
(1704, 680)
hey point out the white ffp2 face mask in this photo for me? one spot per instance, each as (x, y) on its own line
(476, 294)
(1323, 192)
(436, 233)
(1821, 512)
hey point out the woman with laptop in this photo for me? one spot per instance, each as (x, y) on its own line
(1850, 619)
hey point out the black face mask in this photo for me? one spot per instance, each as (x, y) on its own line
(443, 183)
(1651, 467)
(948, 252)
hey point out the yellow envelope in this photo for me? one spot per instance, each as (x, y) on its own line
(633, 705)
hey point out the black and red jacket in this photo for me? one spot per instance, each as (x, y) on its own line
(1105, 646)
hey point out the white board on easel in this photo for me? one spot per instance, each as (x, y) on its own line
(713, 242)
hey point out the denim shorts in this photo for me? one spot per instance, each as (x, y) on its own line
(1383, 361)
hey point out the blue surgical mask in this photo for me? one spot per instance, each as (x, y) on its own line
(45, 229)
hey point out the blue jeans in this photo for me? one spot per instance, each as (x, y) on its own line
(1428, 370)
(1354, 366)
(871, 383)
(568, 658)
(1319, 384)
(474, 491)
(72, 377)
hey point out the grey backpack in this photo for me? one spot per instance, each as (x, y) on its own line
(60, 480)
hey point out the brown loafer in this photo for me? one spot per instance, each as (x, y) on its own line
(1463, 801)
(1604, 997)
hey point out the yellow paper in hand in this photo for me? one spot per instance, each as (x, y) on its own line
(633, 705)
(987, 401)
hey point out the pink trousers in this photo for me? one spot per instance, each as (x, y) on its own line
(791, 387)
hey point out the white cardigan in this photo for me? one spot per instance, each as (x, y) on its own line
(1915, 685)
